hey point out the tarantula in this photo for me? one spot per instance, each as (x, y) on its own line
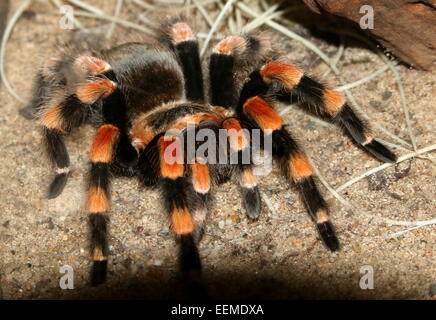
(144, 99)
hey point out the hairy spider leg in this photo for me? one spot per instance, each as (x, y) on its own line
(223, 92)
(324, 103)
(102, 154)
(179, 37)
(295, 164)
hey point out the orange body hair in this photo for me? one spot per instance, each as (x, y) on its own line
(299, 166)
(230, 44)
(287, 74)
(194, 119)
(235, 133)
(52, 117)
(333, 101)
(103, 145)
(322, 215)
(248, 178)
(91, 64)
(181, 221)
(200, 177)
(91, 91)
(180, 32)
(368, 138)
(98, 201)
(261, 112)
(97, 254)
(171, 161)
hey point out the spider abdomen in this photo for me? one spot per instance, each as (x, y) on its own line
(148, 77)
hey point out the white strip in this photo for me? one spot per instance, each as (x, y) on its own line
(62, 170)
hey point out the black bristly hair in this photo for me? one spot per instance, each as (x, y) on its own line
(98, 225)
(310, 92)
(187, 51)
(222, 82)
(57, 150)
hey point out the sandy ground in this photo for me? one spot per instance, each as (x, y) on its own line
(279, 256)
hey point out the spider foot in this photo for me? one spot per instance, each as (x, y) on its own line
(251, 202)
(98, 273)
(196, 289)
(328, 235)
(380, 152)
(127, 156)
(57, 185)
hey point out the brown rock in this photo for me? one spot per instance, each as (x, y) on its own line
(407, 28)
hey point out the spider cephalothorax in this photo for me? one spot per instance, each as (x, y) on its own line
(145, 99)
